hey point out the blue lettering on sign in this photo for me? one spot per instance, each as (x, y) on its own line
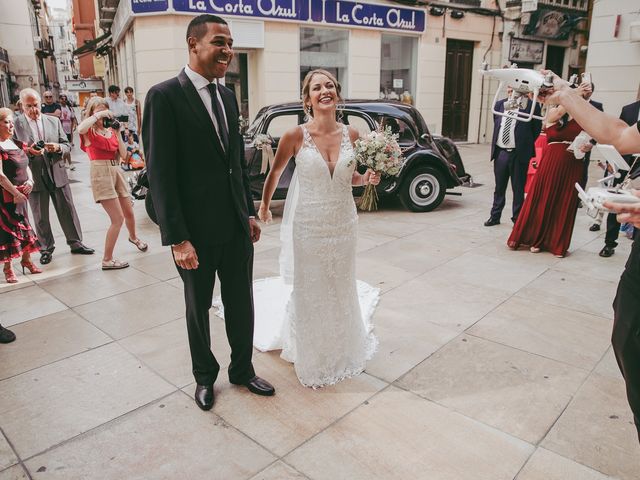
(369, 15)
(333, 12)
(145, 6)
(270, 9)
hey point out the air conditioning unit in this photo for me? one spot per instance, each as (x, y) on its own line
(634, 32)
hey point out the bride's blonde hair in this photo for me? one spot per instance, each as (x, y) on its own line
(306, 86)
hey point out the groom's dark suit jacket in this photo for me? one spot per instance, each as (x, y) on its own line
(200, 193)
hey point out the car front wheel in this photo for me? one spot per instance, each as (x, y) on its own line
(422, 189)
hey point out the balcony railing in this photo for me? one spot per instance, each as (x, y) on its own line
(468, 3)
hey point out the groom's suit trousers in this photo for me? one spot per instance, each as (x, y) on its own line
(232, 261)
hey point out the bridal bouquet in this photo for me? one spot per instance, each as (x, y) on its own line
(263, 142)
(380, 152)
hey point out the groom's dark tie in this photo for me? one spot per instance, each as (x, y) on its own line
(217, 111)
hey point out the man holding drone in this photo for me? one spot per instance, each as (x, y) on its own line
(625, 138)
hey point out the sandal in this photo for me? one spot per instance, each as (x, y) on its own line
(140, 244)
(114, 264)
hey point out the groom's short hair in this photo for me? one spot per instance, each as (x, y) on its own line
(198, 25)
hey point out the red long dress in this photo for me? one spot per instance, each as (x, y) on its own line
(549, 210)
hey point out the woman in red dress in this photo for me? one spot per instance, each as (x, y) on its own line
(534, 163)
(17, 239)
(549, 210)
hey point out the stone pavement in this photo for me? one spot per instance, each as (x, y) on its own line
(492, 364)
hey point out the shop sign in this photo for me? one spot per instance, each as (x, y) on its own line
(526, 51)
(333, 12)
(84, 85)
(147, 6)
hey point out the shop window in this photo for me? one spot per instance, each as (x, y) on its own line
(398, 58)
(326, 49)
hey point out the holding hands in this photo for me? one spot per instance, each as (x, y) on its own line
(264, 214)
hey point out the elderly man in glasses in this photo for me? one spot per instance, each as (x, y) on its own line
(50, 107)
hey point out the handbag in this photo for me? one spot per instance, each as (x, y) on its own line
(8, 198)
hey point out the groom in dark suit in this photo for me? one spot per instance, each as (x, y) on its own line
(200, 190)
(512, 147)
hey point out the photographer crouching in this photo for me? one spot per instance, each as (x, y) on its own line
(611, 130)
(100, 139)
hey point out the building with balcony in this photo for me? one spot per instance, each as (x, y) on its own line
(546, 33)
(25, 36)
(61, 29)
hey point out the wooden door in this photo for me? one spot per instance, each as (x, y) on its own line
(457, 89)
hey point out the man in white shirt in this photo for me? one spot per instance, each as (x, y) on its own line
(512, 147)
(50, 178)
(202, 198)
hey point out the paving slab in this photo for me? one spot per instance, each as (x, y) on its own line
(597, 429)
(48, 339)
(166, 439)
(546, 465)
(136, 310)
(295, 413)
(517, 392)
(7, 455)
(54, 403)
(14, 473)
(400, 435)
(27, 303)
(279, 471)
(86, 287)
(165, 349)
(562, 334)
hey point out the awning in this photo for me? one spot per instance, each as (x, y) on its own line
(93, 45)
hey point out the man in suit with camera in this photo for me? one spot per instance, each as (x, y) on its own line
(50, 179)
(201, 194)
(512, 147)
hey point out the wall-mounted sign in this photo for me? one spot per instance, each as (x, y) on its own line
(330, 12)
(84, 85)
(548, 23)
(522, 50)
(148, 6)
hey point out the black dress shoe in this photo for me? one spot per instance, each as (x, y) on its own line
(45, 257)
(83, 250)
(594, 228)
(607, 251)
(6, 336)
(204, 396)
(258, 386)
(491, 222)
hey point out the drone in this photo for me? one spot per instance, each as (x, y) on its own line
(595, 197)
(522, 81)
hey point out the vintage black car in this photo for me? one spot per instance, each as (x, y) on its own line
(433, 164)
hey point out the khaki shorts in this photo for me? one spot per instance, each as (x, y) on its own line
(107, 180)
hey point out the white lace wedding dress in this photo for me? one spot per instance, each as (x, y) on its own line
(321, 319)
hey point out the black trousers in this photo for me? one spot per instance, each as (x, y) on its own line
(626, 329)
(233, 262)
(508, 165)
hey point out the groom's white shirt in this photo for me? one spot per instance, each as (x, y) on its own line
(202, 85)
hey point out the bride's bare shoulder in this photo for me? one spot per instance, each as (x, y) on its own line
(291, 139)
(354, 134)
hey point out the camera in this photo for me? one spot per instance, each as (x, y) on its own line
(39, 145)
(111, 123)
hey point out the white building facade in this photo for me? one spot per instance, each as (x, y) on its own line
(375, 48)
(614, 52)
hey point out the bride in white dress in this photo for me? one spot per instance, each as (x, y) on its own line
(316, 311)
